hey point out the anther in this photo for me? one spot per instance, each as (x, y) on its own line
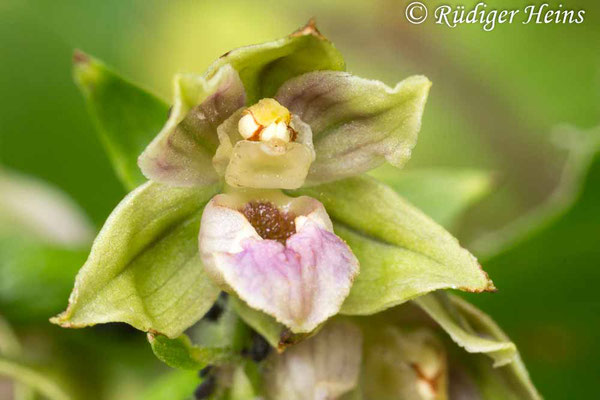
(267, 121)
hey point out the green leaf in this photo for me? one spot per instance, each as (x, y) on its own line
(181, 353)
(126, 117)
(144, 268)
(547, 264)
(403, 254)
(33, 379)
(476, 332)
(264, 67)
(442, 194)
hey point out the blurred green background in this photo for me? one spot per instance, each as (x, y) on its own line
(495, 105)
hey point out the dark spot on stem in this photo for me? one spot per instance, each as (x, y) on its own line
(214, 313)
(259, 349)
(205, 389)
(204, 372)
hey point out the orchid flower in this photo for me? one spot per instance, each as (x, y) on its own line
(256, 188)
(277, 253)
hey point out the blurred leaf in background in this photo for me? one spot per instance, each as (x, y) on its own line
(547, 269)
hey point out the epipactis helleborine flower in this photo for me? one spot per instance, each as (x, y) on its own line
(263, 119)
(277, 253)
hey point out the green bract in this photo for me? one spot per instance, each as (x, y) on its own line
(266, 118)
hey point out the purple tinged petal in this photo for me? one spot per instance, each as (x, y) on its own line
(182, 153)
(357, 124)
(300, 284)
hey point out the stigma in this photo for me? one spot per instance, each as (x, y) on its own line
(267, 121)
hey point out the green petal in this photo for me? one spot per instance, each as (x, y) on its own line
(182, 153)
(357, 124)
(442, 194)
(181, 353)
(403, 254)
(144, 268)
(264, 67)
(126, 117)
(476, 332)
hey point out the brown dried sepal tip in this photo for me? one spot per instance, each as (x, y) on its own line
(270, 223)
(79, 57)
(288, 338)
(309, 29)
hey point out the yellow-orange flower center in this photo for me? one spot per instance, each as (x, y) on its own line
(267, 121)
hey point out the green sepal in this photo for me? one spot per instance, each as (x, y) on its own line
(444, 310)
(403, 254)
(264, 67)
(476, 332)
(144, 268)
